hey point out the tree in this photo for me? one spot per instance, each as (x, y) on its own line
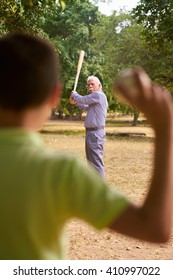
(15, 17)
(71, 31)
(25, 15)
(31, 3)
(122, 44)
(157, 18)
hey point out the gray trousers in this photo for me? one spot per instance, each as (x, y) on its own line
(94, 148)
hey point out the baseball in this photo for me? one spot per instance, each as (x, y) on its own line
(128, 82)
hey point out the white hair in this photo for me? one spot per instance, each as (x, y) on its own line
(95, 79)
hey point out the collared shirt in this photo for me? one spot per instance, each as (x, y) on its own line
(95, 104)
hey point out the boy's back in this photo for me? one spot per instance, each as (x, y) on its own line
(39, 191)
(25, 200)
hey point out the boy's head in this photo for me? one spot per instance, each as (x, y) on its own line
(29, 71)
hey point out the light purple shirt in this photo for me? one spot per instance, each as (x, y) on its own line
(95, 104)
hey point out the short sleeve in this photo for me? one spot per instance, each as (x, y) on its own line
(85, 195)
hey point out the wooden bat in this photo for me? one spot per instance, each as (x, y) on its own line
(79, 66)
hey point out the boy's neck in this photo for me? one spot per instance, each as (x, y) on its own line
(10, 118)
(30, 119)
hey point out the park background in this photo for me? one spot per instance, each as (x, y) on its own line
(123, 39)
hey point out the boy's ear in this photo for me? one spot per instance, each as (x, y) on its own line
(55, 96)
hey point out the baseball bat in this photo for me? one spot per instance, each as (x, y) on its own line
(79, 66)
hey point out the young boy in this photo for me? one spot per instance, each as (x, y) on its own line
(41, 189)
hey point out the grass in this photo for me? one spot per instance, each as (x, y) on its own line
(77, 127)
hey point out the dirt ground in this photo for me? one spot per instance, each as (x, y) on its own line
(128, 167)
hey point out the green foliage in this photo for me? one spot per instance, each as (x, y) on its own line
(127, 40)
(122, 44)
(71, 31)
(31, 3)
(14, 17)
(156, 16)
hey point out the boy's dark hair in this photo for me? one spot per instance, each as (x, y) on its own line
(29, 70)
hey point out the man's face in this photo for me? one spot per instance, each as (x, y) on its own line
(93, 86)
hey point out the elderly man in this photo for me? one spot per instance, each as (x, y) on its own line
(95, 103)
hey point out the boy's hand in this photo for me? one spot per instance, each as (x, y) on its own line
(154, 101)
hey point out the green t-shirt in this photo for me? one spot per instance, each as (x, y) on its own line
(40, 190)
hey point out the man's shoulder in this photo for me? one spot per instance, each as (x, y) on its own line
(101, 94)
(97, 93)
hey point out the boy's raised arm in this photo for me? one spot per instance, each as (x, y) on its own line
(152, 221)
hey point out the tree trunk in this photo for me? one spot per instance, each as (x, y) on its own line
(79, 116)
(135, 119)
(60, 114)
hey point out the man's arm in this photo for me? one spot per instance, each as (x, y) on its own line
(89, 99)
(80, 106)
(152, 221)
